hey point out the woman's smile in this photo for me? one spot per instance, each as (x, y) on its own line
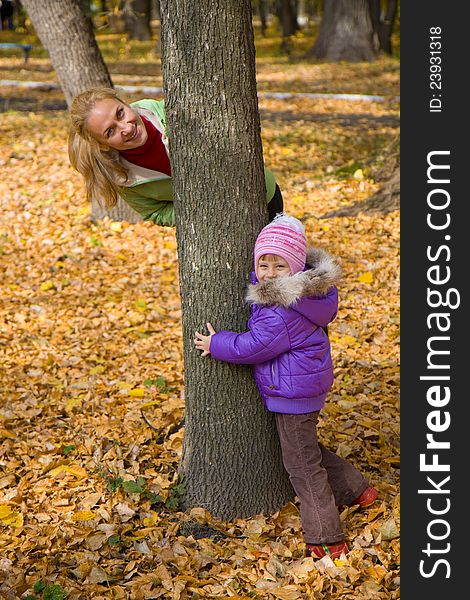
(116, 125)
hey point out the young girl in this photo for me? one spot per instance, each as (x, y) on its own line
(122, 150)
(294, 297)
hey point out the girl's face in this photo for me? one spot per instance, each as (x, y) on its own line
(271, 266)
(116, 125)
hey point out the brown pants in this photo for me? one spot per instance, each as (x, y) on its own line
(321, 479)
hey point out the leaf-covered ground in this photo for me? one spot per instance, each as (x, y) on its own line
(91, 372)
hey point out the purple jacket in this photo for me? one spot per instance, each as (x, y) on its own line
(286, 342)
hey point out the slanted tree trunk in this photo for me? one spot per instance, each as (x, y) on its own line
(67, 34)
(137, 17)
(231, 457)
(346, 32)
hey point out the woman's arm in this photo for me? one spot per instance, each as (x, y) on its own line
(142, 198)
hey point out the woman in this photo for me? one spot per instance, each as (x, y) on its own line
(122, 150)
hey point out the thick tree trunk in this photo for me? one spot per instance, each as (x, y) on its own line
(138, 20)
(231, 458)
(346, 32)
(67, 34)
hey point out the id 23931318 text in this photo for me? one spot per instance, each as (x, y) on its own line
(435, 69)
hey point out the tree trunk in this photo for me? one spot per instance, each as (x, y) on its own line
(263, 12)
(67, 34)
(286, 11)
(231, 457)
(374, 8)
(121, 212)
(137, 17)
(345, 32)
(386, 26)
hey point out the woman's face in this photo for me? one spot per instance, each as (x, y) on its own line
(116, 125)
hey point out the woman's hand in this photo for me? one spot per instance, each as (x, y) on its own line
(203, 342)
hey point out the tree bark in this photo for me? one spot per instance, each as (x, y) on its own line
(346, 32)
(67, 34)
(231, 456)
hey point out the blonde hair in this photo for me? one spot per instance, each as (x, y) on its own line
(101, 169)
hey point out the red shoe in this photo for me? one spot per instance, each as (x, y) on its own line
(321, 550)
(368, 497)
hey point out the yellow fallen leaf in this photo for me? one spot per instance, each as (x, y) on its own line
(150, 521)
(84, 210)
(340, 563)
(97, 370)
(10, 516)
(135, 317)
(116, 226)
(83, 515)
(47, 285)
(5, 511)
(136, 392)
(74, 470)
(6, 433)
(152, 403)
(358, 174)
(366, 277)
(123, 385)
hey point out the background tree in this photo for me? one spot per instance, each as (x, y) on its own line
(383, 15)
(262, 8)
(137, 17)
(231, 458)
(286, 12)
(345, 33)
(67, 34)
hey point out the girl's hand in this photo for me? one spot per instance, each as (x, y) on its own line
(203, 342)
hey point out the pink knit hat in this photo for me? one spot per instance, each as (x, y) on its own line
(285, 237)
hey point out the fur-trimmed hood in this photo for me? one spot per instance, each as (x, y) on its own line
(322, 272)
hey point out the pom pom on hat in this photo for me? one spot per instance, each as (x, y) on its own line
(285, 237)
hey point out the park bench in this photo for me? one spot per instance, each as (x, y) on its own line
(25, 47)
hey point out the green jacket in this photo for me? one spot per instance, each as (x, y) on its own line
(149, 192)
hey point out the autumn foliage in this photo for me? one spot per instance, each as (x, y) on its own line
(91, 369)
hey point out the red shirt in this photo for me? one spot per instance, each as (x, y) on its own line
(152, 154)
